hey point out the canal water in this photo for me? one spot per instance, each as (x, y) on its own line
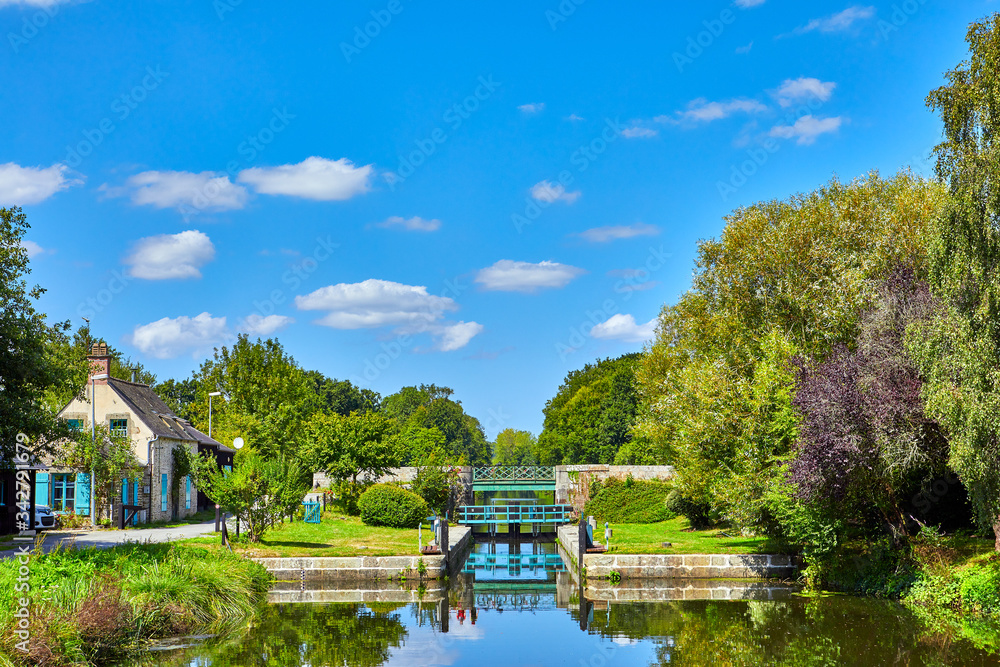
(514, 604)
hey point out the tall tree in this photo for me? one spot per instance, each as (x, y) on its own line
(590, 418)
(267, 397)
(514, 448)
(785, 279)
(35, 365)
(960, 350)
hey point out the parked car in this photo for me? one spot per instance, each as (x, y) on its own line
(44, 518)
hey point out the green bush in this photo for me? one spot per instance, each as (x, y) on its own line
(629, 501)
(392, 506)
(981, 589)
(433, 484)
(698, 513)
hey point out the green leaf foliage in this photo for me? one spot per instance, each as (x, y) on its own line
(629, 501)
(392, 506)
(959, 351)
(786, 279)
(590, 418)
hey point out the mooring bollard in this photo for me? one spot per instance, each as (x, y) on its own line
(216, 518)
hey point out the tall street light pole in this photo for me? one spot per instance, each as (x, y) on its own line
(93, 440)
(210, 395)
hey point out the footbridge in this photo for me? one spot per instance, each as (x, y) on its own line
(514, 478)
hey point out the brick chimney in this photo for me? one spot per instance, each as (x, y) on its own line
(100, 361)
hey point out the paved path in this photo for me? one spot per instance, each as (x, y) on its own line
(102, 539)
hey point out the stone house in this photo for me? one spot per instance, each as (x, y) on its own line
(135, 411)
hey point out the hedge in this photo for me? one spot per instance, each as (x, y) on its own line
(392, 506)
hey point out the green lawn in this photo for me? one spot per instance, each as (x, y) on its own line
(647, 538)
(338, 535)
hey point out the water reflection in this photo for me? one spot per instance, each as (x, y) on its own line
(496, 614)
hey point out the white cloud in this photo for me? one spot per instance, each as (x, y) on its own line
(34, 250)
(510, 276)
(623, 328)
(23, 186)
(803, 88)
(456, 336)
(747, 4)
(573, 117)
(534, 107)
(636, 132)
(182, 189)
(314, 178)
(614, 233)
(381, 303)
(702, 111)
(257, 325)
(547, 192)
(414, 224)
(170, 256)
(168, 338)
(839, 22)
(744, 49)
(806, 129)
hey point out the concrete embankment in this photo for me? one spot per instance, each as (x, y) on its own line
(675, 566)
(372, 567)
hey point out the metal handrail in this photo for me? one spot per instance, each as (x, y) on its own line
(514, 473)
(514, 514)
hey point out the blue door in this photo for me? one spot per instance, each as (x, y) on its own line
(82, 494)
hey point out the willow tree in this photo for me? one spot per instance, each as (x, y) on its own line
(959, 351)
(786, 279)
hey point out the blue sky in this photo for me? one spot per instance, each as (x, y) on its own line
(481, 195)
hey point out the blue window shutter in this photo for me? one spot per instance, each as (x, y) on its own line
(83, 494)
(187, 495)
(124, 492)
(42, 488)
(135, 497)
(163, 492)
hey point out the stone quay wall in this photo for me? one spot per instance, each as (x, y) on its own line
(351, 568)
(691, 566)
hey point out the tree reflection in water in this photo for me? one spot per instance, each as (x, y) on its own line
(303, 634)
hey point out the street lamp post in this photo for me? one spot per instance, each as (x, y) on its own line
(210, 395)
(93, 440)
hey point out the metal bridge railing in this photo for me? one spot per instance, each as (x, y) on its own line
(498, 514)
(514, 474)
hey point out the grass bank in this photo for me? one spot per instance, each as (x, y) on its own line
(648, 538)
(337, 535)
(92, 606)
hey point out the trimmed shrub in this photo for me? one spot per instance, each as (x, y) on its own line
(392, 506)
(629, 501)
(698, 513)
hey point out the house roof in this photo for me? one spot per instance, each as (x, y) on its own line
(157, 415)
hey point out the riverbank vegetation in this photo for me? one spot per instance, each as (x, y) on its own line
(93, 606)
(339, 534)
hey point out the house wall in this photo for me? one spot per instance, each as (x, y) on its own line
(108, 406)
